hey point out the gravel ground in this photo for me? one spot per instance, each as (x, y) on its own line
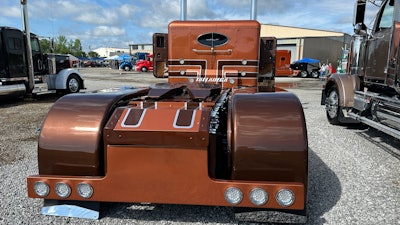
(354, 172)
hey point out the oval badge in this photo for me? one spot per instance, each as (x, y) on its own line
(212, 39)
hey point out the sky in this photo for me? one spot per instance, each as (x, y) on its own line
(118, 23)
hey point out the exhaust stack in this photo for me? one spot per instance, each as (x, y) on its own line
(253, 13)
(25, 25)
(183, 9)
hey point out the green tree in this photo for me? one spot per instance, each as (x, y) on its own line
(45, 45)
(61, 45)
(92, 54)
(76, 48)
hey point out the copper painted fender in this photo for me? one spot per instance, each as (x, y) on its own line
(346, 85)
(70, 141)
(268, 138)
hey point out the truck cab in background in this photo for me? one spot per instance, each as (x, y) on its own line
(25, 69)
(282, 67)
(145, 65)
(369, 92)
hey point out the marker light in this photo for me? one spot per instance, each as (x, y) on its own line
(62, 190)
(285, 197)
(41, 188)
(258, 196)
(233, 195)
(85, 190)
(243, 73)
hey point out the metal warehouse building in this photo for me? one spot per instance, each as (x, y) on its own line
(326, 46)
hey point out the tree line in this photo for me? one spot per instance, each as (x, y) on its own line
(61, 45)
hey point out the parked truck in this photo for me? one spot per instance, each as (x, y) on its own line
(369, 92)
(25, 69)
(145, 65)
(282, 63)
(219, 133)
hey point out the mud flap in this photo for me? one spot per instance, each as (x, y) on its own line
(78, 209)
(270, 216)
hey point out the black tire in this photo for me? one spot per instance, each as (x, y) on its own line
(144, 69)
(127, 68)
(314, 74)
(333, 110)
(73, 84)
(303, 73)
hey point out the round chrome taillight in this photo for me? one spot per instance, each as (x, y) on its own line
(285, 197)
(41, 188)
(233, 195)
(258, 196)
(85, 190)
(63, 190)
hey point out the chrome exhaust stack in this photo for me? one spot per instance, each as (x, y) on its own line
(183, 9)
(253, 13)
(25, 24)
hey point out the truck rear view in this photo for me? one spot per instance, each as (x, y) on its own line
(218, 133)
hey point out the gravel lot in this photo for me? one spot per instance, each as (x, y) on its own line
(354, 172)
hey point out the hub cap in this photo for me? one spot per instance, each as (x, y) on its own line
(73, 85)
(331, 104)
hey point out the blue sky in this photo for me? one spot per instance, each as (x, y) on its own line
(118, 23)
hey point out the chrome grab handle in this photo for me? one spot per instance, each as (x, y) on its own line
(212, 51)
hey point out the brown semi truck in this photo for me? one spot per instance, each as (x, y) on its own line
(219, 133)
(370, 90)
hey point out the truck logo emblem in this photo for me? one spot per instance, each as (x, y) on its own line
(212, 39)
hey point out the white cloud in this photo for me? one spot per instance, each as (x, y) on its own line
(127, 10)
(100, 17)
(119, 22)
(10, 11)
(108, 31)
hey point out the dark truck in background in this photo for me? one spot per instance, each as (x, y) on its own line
(369, 92)
(25, 69)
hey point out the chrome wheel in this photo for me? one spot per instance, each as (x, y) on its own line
(73, 85)
(314, 74)
(332, 104)
(333, 110)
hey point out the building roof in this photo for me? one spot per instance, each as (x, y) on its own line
(279, 31)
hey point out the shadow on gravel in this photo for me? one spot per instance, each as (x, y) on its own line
(47, 98)
(324, 192)
(324, 189)
(384, 141)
